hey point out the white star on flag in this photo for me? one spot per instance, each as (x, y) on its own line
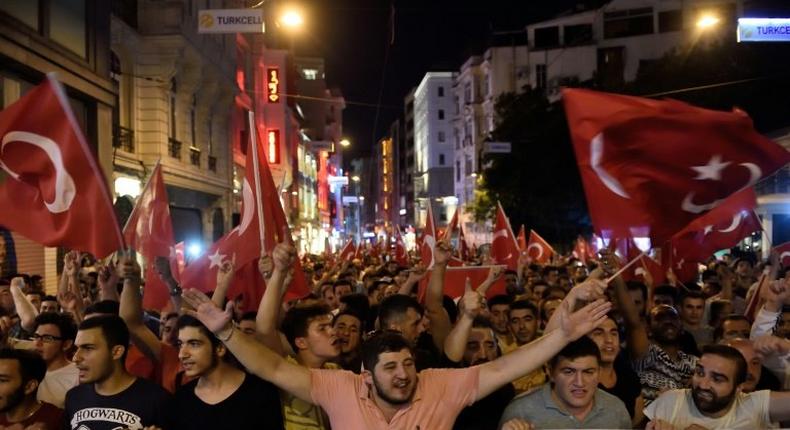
(216, 259)
(712, 170)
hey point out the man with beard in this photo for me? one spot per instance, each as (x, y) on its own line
(572, 399)
(470, 343)
(499, 308)
(716, 398)
(21, 372)
(53, 339)
(108, 396)
(348, 327)
(523, 322)
(390, 393)
(220, 394)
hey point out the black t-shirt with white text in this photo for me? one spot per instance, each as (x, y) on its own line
(141, 405)
(254, 405)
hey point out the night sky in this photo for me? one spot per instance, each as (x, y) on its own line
(353, 37)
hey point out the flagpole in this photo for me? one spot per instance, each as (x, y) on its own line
(629, 264)
(257, 172)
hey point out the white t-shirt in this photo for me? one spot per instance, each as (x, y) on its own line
(750, 411)
(56, 383)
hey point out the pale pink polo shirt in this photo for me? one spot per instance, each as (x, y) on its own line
(440, 396)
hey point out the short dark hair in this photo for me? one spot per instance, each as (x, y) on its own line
(31, 365)
(396, 306)
(718, 331)
(523, 304)
(63, 321)
(170, 315)
(499, 299)
(342, 281)
(359, 303)
(49, 298)
(581, 347)
(692, 294)
(729, 353)
(384, 341)
(636, 285)
(553, 291)
(113, 330)
(511, 272)
(297, 321)
(190, 321)
(108, 307)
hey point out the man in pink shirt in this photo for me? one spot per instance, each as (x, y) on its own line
(390, 393)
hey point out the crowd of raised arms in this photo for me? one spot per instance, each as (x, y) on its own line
(380, 346)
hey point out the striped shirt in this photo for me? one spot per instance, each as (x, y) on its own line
(658, 372)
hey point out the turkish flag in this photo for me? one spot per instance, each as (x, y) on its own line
(504, 248)
(149, 230)
(582, 250)
(428, 240)
(401, 256)
(455, 281)
(244, 243)
(52, 191)
(522, 238)
(722, 227)
(651, 167)
(628, 251)
(448, 232)
(687, 271)
(538, 249)
(784, 253)
(348, 251)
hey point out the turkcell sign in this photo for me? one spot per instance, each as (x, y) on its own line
(763, 29)
(230, 21)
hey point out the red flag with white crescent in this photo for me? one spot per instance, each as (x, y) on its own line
(401, 255)
(428, 241)
(52, 190)
(538, 249)
(504, 247)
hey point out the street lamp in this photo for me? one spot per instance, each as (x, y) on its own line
(345, 143)
(355, 178)
(707, 21)
(292, 19)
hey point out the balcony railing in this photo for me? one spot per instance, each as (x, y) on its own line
(123, 138)
(212, 163)
(174, 148)
(194, 156)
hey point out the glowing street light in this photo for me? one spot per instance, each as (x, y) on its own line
(706, 22)
(345, 143)
(355, 178)
(292, 19)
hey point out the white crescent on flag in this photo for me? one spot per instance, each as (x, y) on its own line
(249, 206)
(596, 154)
(736, 221)
(65, 190)
(539, 247)
(430, 242)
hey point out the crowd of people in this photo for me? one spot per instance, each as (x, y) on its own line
(569, 345)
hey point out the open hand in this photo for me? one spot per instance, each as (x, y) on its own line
(577, 324)
(214, 318)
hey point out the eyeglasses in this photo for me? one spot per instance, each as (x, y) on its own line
(46, 338)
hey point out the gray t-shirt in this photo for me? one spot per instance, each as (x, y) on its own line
(539, 408)
(750, 411)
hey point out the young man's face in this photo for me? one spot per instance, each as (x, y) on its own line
(6, 299)
(12, 389)
(713, 384)
(607, 338)
(48, 342)
(196, 352)
(549, 307)
(394, 377)
(575, 381)
(94, 358)
(247, 326)
(330, 298)
(665, 326)
(347, 328)
(167, 333)
(410, 325)
(733, 329)
(499, 314)
(523, 324)
(35, 300)
(321, 338)
(342, 290)
(692, 310)
(49, 306)
(480, 347)
(754, 364)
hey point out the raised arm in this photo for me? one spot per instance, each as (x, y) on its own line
(131, 310)
(434, 296)
(253, 355)
(469, 308)
(591, 289)
(26, 311)
(108, 283)
(269, 308)
(224, 278)
(415, 276)
(162, 266)
(531, 356)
